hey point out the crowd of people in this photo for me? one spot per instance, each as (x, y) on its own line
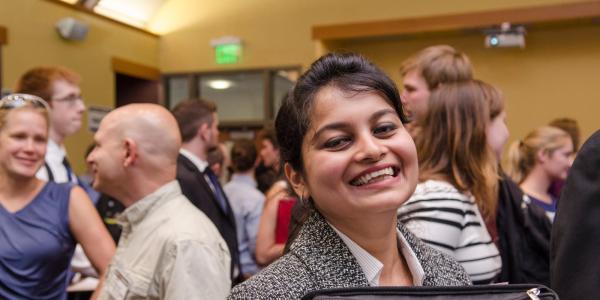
(354, 185)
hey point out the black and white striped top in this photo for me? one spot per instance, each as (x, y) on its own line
(450, 221)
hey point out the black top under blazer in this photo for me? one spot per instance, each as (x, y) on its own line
(196, 189)
(319, 259)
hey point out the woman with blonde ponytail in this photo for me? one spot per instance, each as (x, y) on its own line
(458, 178)
(523, 230)
(543, 156)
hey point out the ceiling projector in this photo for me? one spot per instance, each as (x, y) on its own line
(506, 37)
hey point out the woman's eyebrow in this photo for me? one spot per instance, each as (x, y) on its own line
(331, 126)
(380, 113)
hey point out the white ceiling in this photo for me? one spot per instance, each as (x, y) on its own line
(133, 12)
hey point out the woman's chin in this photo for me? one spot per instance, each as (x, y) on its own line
(383, 203)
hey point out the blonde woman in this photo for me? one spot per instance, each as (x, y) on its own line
(40, 221)
(542, 157)
(457, 191)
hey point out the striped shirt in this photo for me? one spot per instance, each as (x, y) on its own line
(450, 221)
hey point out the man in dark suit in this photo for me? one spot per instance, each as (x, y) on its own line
(198, 123)
(574, 264)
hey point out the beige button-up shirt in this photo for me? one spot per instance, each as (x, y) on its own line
(168, 250)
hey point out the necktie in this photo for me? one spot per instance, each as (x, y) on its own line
(217, 189)
(68, 168)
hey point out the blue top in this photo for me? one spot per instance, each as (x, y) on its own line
(36, 246)
(549, 208)
(247, 204)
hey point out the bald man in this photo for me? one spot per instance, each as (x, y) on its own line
(168, 248)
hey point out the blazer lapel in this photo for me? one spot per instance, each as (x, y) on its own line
(326, 255)
(200, 179)
(431, 261)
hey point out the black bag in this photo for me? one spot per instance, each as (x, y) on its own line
(488, 292)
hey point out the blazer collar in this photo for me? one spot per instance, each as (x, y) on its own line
(317, 240)
(427, 256)
(187, 163)
(199, 163)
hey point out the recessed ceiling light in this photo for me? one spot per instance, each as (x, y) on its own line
(220, 84)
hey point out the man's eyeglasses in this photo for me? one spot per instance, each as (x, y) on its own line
(19, 100)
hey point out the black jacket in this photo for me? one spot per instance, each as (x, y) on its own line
(575, 267)
(195, 188)
(524, 237)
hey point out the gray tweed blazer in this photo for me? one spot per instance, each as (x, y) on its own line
(319, 259)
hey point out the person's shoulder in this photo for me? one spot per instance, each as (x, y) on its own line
(58, 192)
(231, 185)
(182, 219)
(186, 211)
(436, 186)
(243, 193)
(255, 196)
(63, 186)
(185, 168)
(191, 241)
(235, 187)
(437, 192)
(286, 278)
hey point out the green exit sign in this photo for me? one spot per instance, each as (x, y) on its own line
(228, 53)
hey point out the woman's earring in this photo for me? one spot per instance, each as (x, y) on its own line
(303, 200)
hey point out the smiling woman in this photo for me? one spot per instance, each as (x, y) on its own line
(41, 221)
(348, 157)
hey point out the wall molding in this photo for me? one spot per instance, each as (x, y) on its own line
(471, 20)
(130, 68)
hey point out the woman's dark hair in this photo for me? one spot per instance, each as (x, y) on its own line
(243, 155)
(268, 133)
(348, 72)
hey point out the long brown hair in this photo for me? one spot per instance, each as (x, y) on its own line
(493, 96)
(452, 146)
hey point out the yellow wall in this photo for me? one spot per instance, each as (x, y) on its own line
(556, 75)
(32, 41)
(278, 32)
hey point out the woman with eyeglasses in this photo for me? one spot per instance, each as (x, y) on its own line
(349, 158)
(40, 222)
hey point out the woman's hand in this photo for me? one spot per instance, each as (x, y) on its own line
(277, 191)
